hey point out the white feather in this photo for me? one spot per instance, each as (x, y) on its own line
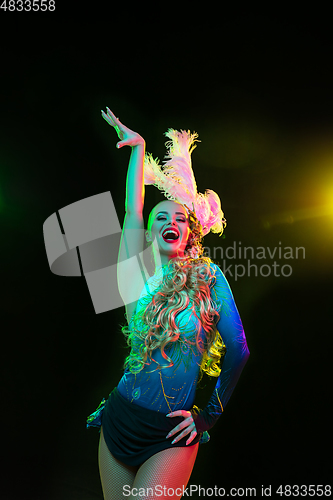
(177, 182)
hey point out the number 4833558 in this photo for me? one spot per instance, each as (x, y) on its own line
(27, 5)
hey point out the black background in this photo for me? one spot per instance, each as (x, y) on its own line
(257, 87)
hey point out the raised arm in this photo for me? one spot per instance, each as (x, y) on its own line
(135, 190)
(130, 280)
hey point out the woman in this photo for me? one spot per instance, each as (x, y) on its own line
(150, 430)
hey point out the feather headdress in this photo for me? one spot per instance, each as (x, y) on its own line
(175, 178)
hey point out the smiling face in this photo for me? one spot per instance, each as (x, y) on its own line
(168, 222)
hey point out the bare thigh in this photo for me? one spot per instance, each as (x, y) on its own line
(114, 474)
(165, 474)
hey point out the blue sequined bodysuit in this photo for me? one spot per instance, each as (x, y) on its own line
(173, 388)
(170, 388)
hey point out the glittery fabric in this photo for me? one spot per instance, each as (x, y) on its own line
(95, 419)
(173, 388)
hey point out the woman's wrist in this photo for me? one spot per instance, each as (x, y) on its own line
(140, 144)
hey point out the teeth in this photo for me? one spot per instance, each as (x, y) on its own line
(170, 231)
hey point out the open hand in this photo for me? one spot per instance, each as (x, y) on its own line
(188, 425)
(127, 137)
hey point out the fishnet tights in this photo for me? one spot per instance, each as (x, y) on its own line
(167, 471)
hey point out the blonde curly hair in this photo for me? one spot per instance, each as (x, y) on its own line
(187, 280)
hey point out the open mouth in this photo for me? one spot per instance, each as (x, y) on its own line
(170, 235)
